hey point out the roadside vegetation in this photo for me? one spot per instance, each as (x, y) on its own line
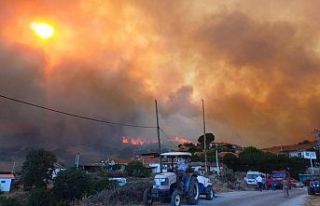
(35, 186)
(72, 186)
(250, 158)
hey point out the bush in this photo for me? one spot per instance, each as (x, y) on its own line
(40, 197)
(71, 184)
(9, 202)
(130, 194)
(136, 169)
(102, 184)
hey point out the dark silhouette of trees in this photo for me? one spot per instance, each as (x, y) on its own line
(37, 168)
(252, 158)
(71, 184)
(209, 139)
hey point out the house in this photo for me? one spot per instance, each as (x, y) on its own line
(151, 161)
(303, 154)
(6, 180)
(287, 149)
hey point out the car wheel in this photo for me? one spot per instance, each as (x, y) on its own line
(310, 192)
(210, 193)
(193, 193)
(147, 198)
(175, 198)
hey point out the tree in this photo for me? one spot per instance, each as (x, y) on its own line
(37, 168)
(251, 159)
(71, 184)
(232, 161)
(209, 139)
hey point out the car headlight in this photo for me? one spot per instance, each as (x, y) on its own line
(161, 181)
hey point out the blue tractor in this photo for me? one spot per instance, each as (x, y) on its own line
(178, 181)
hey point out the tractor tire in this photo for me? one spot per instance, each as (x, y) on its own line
(193, 193)
(175, 198)
(210, 193)
(147, 198)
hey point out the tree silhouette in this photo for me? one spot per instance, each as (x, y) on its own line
(209, 139)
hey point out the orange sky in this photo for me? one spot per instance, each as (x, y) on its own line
(254, 62)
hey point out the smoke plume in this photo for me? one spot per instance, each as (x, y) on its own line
(254, 64)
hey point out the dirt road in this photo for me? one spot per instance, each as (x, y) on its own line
(255, 198)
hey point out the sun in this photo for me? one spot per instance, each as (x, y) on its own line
(42, 29)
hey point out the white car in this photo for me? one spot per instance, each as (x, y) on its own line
(251, 176)
(120, 181)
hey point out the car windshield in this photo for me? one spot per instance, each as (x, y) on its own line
(252, 176)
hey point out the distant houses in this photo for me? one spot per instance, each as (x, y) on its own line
(298, 150)
(6, 180)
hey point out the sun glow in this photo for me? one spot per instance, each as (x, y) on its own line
(43, 30)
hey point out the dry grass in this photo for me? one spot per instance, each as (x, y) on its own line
(313, 200)
(130, 194)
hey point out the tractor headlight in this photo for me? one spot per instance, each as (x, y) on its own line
(161, 181)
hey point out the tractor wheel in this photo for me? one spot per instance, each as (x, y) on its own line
(193, 193)
(175, 198)
(147, 198)
(210, 193)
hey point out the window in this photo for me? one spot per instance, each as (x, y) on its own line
(3, 181)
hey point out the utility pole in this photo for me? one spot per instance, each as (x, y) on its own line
(158, 134)
(217, 160)
(311, 165)
(317, 136)
(77, 160)
(204, 138)
(13, 167)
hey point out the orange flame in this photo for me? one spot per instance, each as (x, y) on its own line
(132, 141)
(181, 140)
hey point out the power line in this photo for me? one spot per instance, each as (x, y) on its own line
(76, 115)
(165, 134)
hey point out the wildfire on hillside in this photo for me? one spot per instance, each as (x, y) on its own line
(181, 140)
(132, 140)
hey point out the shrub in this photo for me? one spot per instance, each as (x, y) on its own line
(102, 184)
(136, 169)
(71, 184)
(9, 202)
(40, 197)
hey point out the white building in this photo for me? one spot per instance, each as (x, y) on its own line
(6, 180)
(303, 154)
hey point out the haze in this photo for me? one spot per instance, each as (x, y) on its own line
(255, 63)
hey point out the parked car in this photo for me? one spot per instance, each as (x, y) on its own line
(278, 177)
(120, 181)
(250, 178)
(314, 187)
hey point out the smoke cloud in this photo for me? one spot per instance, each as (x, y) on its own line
(254, 64)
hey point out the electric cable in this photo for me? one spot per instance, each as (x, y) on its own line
(76, 115)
